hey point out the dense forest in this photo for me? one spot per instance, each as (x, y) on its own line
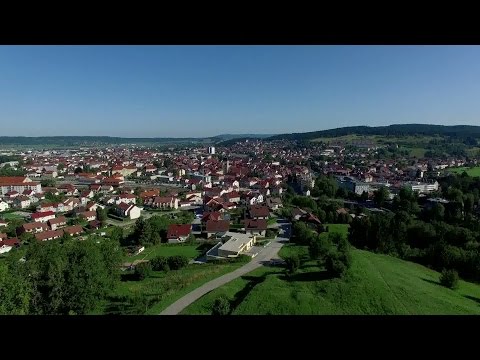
(456, 131)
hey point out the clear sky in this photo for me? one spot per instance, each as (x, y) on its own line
(194, 91)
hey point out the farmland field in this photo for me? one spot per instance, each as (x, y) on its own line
(475, 171)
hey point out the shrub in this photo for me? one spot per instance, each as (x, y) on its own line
(292, 263)
(449, 278)
(270, 233)
(160, 263)
(334, 264)
(143, 270)
(177, 262)
(221, 306)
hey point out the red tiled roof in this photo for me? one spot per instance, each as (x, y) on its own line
(34, 225)
(39, 215)
(259, 211)
(260, 224)
(49, 234)
(177, 230)
(58, 220)
(217, 226)
(75, 229)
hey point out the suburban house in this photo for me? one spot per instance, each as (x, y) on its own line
(3, 223)
(3, 236)
(73, 230)
(3, 206)
(8, 244)
(258, 212)
(274, 203)
(126, 198)
(94, 224)
(311, 220)
(235, 244)
(49, 235)
(213, 227)
(22, 201)
(256, 227)
(88, 215)
(128, 210)
(178, 232)
(34, 227)
(42, 216)
(169, 202)
(18, 184)
(57, 222)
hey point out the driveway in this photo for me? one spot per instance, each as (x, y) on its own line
(262, 258)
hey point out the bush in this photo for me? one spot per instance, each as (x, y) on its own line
(334, 264)
(160, 263)
(449, 279)
(270, 233)
(292, 263)
(177, 262)
(221, 306)
(143, 270)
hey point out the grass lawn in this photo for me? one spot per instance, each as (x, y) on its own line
(340, 228)
(162, 289)
(190, 251)
(10, 216)
(376, 285)
(417, 152)
(475, 171)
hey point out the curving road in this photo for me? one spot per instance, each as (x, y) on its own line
(264, 256)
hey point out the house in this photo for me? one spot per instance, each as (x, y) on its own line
(57, 222)
(18, 184)
(8, 244)
(216, 226)
(3, 206)
(34, 227)
(73, 230)
(22, 201)
(68, 190)
(297, 213)
(88, 215)
(235, 244)
(232, 196)
(258, 212)
(169, 202)
(126, 198)
(42, 216)
(256, 227)
(94, 224)
(49, 235)
(311, 220)
(128, 210)
(3, 236)
(178, 233)
(3, 223)
(274, 203)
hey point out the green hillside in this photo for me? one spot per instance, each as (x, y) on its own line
(376, 284)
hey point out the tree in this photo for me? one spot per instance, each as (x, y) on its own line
(48, 182)
(177, 262)
(15, 290)
(27, 238)
(101, 214)
(221, 306)
(449, 279)
(438, 212)
(160, 263)
(143, 270)
(292, 263)
(380, 196)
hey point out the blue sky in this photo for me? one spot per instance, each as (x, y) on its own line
(162, 91)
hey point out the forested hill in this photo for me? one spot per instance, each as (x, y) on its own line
(108, 140)
(460, 131)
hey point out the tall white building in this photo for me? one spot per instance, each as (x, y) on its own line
(211, 150)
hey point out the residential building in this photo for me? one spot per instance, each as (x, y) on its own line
(235, 244)
(49, 235)
(57, 222)
(256, 227)
(42, 216)
(128, 210)
(178, 233)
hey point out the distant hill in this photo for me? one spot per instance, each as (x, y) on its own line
(109, 140)
(460, 131)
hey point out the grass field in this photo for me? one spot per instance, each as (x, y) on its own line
(475, 171)
(376, 285)
(417, 152)
(190, 251)
(10, 216)
(162, 289)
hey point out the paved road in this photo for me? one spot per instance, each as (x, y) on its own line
(263, 256)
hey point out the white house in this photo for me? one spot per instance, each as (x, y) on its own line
(3, 206)
(128, 210)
